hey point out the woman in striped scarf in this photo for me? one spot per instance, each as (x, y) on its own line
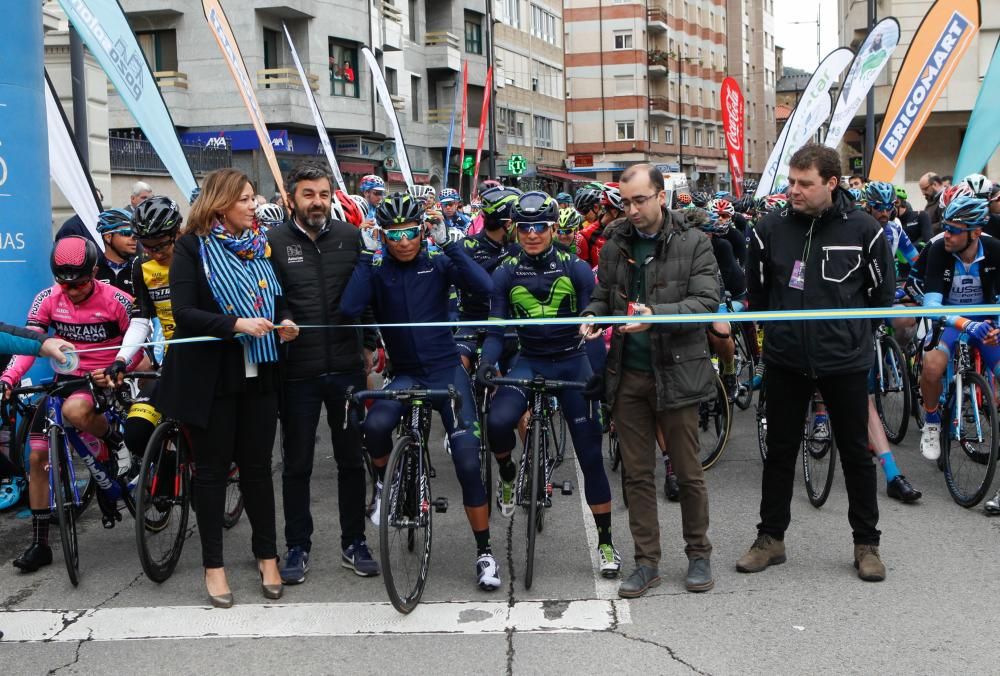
(225, 392)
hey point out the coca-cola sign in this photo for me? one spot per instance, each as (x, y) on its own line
(732, 120)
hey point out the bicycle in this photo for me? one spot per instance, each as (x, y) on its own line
(891, 385)
(819, 460)
(969, 443)
(714, 423)
(405, 509)
(533, 485)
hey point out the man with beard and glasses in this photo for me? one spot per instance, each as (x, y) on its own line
(314, 256)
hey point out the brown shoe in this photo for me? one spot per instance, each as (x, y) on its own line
(765, 551)
(869, 563)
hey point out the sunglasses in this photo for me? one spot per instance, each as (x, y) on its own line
(956, 229)
(398, 234)
(537, 228)
(74, 283)
(157, 248)
(881, 206)
(567, 231)
(124, 232)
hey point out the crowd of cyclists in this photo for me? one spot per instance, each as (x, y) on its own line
(429, 258)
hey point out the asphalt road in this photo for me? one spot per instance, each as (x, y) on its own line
(936, 612)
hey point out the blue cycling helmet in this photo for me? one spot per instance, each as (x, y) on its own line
(721, 195)
(113, 220)
(449, 195)
(535, 207)
(967, 211)
(371, 182)
(780, 189)
(11, 491)
(880, 195)
(856, 194)
(564, 198)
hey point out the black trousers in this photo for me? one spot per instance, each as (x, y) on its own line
(846, 398)
(242, 431)
(300, 410)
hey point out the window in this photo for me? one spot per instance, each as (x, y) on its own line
(544, 25)
(711, 138)
(473, 33)
(343, 69)
(697, 137)
(668, 133)
(626, 130)
(543, 132)
(415, 98)
(624, 84)
(623, 39)
(272, 49)
(722, 141)
(511, 14)
(392, 81)
(159, 48)
(685, 136)
(412, 16)
(655, 132)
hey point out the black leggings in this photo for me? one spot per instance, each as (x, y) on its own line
(242, 431)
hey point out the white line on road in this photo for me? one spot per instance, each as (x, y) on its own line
(309, 620)
(604, 588)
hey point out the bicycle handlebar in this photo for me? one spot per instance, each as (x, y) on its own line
(358, 398)
(539, 383)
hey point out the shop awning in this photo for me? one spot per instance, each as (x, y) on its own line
(356, 167)
(418, 177)
(561, 175)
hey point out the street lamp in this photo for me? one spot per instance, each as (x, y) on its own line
(680, 109)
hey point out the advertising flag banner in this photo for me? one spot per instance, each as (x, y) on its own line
(383, 93)
(451, 138)
(324, 138)
(483, 117)
(465, 107)
(771, 168)
(982, 136)
(66, 166)
(937, 46)
(732, 122)
(872, 58)
(219, 24)
(104, 29)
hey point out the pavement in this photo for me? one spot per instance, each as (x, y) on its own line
(936, 612)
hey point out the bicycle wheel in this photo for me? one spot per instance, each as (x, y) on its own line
(714, 422)
(762, 419)
(486, 465)
(234, 498)
(916, 398)
(557, 430)
(970, 440)
(63, 491)
(536, 493)
(405, 528)
(892, 390)
(745, 365)
(85, 485)
(819, 458)
(163, 496)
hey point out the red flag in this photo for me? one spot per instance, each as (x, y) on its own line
(465, 106)
(732, 122)
(483, 116)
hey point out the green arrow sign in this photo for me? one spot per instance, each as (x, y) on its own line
(516, 165)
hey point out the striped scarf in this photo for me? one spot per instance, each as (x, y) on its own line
(243, 282)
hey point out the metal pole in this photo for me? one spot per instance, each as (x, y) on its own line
(79, 82)
(493, 89)
(680, 113)
(870, 104)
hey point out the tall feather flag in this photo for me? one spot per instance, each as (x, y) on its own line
(378, 79)
(982, 136)
(483, 117)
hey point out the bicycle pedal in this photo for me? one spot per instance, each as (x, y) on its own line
(440, 505)
(567, 488)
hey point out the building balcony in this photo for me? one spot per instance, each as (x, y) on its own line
(392, 26)
(656, 20)
(137, 156)
(442, 51)
(173, 86)
(659, 106)
(398, 102)
(284, 78)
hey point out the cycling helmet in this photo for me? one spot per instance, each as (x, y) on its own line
(745, 204)
(971, 212)
(194, 195)
(856, 194)
(699, 218)
(721, 195)
(73, 258)
(487, 184)
(901, 192)
(596, 185)
(349, 209)
(497, 202)
(979, 184)
(422, 192)
(587, 199)
(749, 185)
(995, 192)
(570, 218)
(361, 203)
(11, 491)
(880, 195)
(780, 189)
(397, 209)
(720, 206)
(684, 199)
(612, 197)
(564, 198)
(156, 216)
(776, 201)
(113, 219)
(371, 182)
(449, 195)
(699, 199)
(270, 215)
(534, 207)
(957, 190)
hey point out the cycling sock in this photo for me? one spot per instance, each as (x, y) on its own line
(40, 526)
(888, 465)
(603, 522)
(507, 469)
(729, 367)
(482, 542)
(933, 417)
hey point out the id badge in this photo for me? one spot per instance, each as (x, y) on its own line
(798, 280)
(634, 309)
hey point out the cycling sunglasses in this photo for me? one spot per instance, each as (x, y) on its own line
(124, 232)
(397, 234)
(537, 228)
(881, 206)
(955, 229)
(156, 248)
(567, 231)
(74, 283)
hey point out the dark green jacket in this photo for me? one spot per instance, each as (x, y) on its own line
(683, 278)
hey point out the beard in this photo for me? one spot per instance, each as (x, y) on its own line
(313, 220)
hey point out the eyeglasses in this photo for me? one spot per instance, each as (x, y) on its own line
(156, 248)
(956, 229)
(397, 234)
(638, 201)
(124, 232)
(881, 206)
(567, 231)
(74, 283)
(725, 217)
(537, 228)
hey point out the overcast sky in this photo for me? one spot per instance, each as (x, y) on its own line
(799, 39)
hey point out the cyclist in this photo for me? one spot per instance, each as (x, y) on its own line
(88, 314)
(269, 216)
(372, 188)
(115, 266)
(962, 269)
(544, 281)
(587, 202)
(451, 208)
(725, 214)
(410, 285)
(564, 200)
(568, 234)
(595, 235)
(916, 223)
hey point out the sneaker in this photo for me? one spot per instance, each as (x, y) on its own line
(447, 445)
(123, 457)
(821, 428)
(375, 509)
(33, 558)
(730, 385)
(992, 505)
(765, 551)
(869, 563)
(611, 561)
(671, 488)
(505, 497)
(930, 441)
(901, 489)
(296, 566)
(358, 558)
(642, 579)
(487, 573)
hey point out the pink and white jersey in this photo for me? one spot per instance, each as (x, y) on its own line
(99, 321)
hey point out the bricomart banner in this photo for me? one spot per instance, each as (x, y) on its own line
(938, 45)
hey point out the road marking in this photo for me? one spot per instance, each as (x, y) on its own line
(309, 620)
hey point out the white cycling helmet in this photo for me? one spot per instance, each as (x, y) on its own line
(362, 203)
(269, 215)
(979, 184)
(422, 192)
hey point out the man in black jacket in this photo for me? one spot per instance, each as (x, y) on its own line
(314, 256)
(819, 253)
